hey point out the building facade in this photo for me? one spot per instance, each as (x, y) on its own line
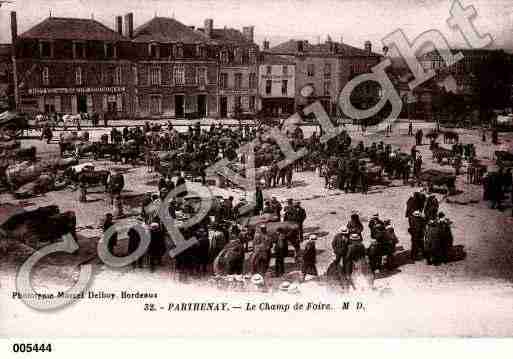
(276, 85)
(163, 68)
(322, 71)
(67, 65)
(175, 71)
(238, 69)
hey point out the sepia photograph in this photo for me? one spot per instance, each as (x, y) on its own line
(299, 168)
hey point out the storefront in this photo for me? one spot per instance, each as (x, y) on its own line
(80, 100)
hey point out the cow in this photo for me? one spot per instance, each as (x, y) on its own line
(94, 178)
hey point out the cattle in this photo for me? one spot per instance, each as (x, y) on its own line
(41, 225)
(94, 178)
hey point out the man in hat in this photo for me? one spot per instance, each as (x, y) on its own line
(157, 246)
(340, 244)
(276, 206)
(373, 225)
(237, 209)
(259, 200)
(417, 232)
(280, 253)
(355, 252)
(300, 219)
(268, 209)
(290, 214)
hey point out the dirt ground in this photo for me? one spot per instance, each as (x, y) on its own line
(485, 234)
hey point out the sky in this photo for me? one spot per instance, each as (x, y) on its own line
(279, 20)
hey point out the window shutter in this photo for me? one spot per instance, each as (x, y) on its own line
(57, 104)
(74, 107)
(105, 105)
(89, 103)
(119, 102)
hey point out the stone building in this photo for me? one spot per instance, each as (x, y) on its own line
(276, 85)
(68, 65)
(175, 70)
(324, 69)
(238, 69)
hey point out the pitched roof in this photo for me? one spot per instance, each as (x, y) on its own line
(230, 36)
(5, 50)
(54, 28)
(166, 30)
(272, 59)
(290, 47)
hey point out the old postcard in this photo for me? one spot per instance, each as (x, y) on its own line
(335, 168)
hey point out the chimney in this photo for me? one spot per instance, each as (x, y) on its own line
(266, 45)
(209, 27)
(248, 33)
(368, 47)
(119, 25)
(299, 46)
(129, 25)
(14, 27)
(341, 39)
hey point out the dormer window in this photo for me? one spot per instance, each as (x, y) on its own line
(110, 50)
(178, 50)
(224, 56)
(79, 50)
(154, 51)
(45, 49)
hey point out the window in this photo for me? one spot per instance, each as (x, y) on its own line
(78, 76)
(110, 50)
(45, 48)
(224, 57)
(238, 80)
(223, 82)
(153, 50)
(238, 55)
(327, 85)
(136, 76)
(179, 75)
(155, 104)
(327, 70)
(310, 70)
(190, 76)
(177, 50)
(202, 76)
(79, 50)
(118, 77)
(285, 70)
(268, 87)
(252, 80)
(252, 102)
(45, 76)
(252, 55)
(155, 76)
(269, 70)
(238, 102)
(284, 85)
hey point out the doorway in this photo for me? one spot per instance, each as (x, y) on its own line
(82, 104)
(223, 106)
(202, 106)
(179, 106)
